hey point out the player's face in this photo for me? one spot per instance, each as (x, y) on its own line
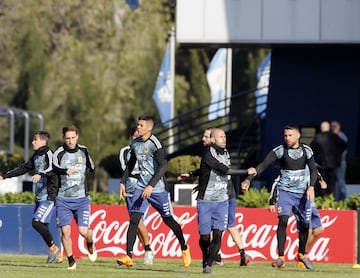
(291, 137)
(71, 139)
(144, 128)
(206, 138)
(37, 142)
(219, 138)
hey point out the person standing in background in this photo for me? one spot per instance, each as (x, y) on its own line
(328, 148)
(340, 186)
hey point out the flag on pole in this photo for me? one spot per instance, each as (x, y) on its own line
(164, 92)
(263, 77)
(216, 77)
(133, 4)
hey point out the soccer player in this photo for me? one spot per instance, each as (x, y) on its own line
(212, 198)
(315, 227)
(148, 151)
(71, 161)
(295, 192)
(130, 185)
(234, 232)
(45, 185)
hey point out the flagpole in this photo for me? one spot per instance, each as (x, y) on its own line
(172, 78)
(228, 87)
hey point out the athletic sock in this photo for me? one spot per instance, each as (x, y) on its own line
(71, 260)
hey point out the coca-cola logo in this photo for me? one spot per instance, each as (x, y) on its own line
(257, 239)
(113, 235)
(258, 230)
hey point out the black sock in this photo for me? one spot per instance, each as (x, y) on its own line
(147, 247)
(176, 228)
(242, 252)
(71, 259)
(89, 244)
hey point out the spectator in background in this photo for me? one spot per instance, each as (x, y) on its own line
(328, 148)
(340, 186)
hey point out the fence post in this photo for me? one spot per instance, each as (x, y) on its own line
(357, 265)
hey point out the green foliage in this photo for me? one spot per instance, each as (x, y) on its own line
(182, 164)
(328, 202)
(95, 64)
(353, 202)
(9, 161)
(11, 198)
(105, 198)
(29, 198)
(254, 198)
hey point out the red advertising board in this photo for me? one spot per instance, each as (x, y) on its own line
(258, 227)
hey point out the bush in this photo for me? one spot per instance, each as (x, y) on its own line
(182, 164)
(9, 161)
(254, 198)
(101, 198)
(28, 197)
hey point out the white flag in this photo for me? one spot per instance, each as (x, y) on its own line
(163, 95)
(263, 77)
(216, 77)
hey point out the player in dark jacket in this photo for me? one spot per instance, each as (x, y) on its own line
(45, 186)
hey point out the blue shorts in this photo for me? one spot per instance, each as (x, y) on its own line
(315, 220)
(297, 203)
(212, 215)
(67, 208)
(129, 202)
(232, 212)
(159, 200)
(43, 211)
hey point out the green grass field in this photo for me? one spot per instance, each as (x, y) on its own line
(19, 266)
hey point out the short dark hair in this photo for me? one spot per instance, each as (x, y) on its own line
(146, 118)
(44, 135)
(70, 128)
(292, 126)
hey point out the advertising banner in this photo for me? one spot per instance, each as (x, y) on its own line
(257, 226)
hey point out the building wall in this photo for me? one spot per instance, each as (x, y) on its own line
(310, 84)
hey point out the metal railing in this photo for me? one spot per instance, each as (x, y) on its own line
(241, 122)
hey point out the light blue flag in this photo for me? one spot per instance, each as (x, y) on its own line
(133, 4)
(164, 92)
(263, 77)
(216, 77)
